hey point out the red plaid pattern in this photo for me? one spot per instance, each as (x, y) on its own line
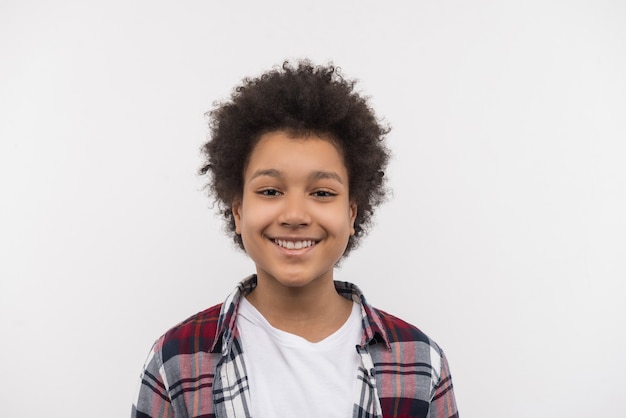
(196, 369)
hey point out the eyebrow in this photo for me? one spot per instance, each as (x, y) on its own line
(315, 175)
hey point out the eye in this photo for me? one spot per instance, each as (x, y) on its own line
(269, 192)
(323, 193)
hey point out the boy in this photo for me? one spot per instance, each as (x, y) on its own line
(296, 161)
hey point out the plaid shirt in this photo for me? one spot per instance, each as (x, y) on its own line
(196, 369)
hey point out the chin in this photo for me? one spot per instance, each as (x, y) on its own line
(295, 282)
(298, 279)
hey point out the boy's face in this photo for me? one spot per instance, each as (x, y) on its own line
(295, 216)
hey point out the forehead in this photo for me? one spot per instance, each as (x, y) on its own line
(284, 150)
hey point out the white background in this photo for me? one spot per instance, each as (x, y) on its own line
(504, 240)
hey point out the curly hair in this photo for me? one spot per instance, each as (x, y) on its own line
(302, 99)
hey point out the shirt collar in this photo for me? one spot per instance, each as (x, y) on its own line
(373, 329)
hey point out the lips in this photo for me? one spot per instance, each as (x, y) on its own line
(294, 245)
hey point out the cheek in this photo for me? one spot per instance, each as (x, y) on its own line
(253, 217)
(340, 222)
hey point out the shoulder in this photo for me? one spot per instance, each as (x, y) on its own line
(407, 344)
(400, 331)
(194, 334)
(413, 359)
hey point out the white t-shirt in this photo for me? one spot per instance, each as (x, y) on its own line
(292, 377)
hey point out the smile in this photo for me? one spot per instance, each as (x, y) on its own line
(294, 245)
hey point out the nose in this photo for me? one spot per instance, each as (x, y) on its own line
(294, 212)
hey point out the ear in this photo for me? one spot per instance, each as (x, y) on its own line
(353, 211)
(236, 209)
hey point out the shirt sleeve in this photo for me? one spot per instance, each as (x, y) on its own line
(153, 398)
(442, 401)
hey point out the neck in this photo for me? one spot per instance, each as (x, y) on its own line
(313, 311)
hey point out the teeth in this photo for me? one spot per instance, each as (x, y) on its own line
(294, 245)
